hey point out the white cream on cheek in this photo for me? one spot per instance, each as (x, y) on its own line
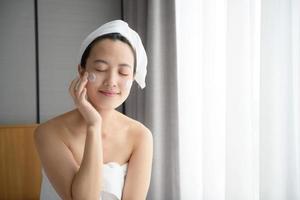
(91, 77)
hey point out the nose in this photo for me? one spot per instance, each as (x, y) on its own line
(111, 79)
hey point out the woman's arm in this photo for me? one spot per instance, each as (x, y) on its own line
(139, 167)
(68, 179)
(87, 181)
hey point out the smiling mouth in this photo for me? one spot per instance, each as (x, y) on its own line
(109, 94)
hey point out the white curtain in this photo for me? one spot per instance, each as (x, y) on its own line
(238, 98)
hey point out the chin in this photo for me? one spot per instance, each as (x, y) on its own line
(100, 103)
(106, 105)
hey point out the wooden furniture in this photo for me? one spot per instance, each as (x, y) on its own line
(20, 169)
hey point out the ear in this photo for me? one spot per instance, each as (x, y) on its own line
(81, 70)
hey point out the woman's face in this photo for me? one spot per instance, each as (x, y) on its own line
(112, 64)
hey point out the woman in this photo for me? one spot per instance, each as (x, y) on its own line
(93, 151)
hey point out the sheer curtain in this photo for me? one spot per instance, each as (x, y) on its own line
(238, 98)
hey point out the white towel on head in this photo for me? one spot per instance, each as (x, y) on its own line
(119, 26)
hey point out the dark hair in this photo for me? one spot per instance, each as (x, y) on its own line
(112, 36)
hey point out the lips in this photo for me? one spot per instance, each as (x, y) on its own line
(109, 93)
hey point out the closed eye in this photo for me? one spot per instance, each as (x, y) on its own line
(123, 74)
(99, 70)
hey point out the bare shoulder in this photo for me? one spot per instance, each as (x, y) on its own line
(50, 129)
(142, 134)
(44, 130)
(139, 132)
(56, 158)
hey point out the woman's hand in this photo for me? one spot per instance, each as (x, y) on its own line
(78, 92)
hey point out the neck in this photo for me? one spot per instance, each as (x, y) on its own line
(108, 117)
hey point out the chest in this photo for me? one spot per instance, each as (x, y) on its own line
(116, 146)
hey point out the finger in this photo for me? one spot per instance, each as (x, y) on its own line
(83, 94)
(72, 83)
(77, 90)
(72, 86)
(77, 84)
(82, 82)
(73, 92)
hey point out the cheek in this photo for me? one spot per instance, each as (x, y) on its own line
(126, 84)
(92, 77)
(92, 84)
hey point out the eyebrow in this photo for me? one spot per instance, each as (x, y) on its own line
(106, 63)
